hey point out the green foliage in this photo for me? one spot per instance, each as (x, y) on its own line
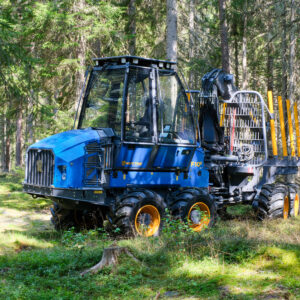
(237, 259)
(73, 239)
(173, 226)
(45, 47)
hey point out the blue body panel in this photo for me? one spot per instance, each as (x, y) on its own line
(172, 157)
(198, 176)
(61, 142)
(133, 158)
(70, 156)
(69, 151)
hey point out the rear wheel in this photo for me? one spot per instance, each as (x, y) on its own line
(196, 207)
(294, 199)
(273, 202)
(139, 213)
(180, 201)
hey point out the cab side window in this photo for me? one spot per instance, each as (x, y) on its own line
(138, 108)
(175, 123)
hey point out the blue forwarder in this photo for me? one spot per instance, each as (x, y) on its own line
(141, 144)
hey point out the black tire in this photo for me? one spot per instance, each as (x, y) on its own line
(137, 207)
(180, 201)
(64, 219)
(273, 201)
(294, 199)
(190, 204)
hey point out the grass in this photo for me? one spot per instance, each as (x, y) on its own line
(11, 195)
(237, 259)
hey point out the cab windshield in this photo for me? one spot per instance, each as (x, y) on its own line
(103, 108)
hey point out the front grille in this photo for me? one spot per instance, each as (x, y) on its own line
(40, 167)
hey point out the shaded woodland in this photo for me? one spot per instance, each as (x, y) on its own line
(45, 47)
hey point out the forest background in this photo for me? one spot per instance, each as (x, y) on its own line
(45, 47)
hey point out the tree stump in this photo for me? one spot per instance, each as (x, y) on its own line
(109, 257)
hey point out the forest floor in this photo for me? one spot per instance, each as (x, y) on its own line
(237, 259)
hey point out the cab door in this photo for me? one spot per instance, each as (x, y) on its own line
(138, 133)
(175, 126)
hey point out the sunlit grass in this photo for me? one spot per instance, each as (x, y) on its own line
(234, 260)
(19, 242)
(11, 195)
(21, 201)
(237, 259)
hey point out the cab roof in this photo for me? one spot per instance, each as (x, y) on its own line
(135, 60)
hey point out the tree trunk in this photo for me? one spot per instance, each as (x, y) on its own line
(291, 81)
(270, 51)
(132, 27)
(283, 17)
(172, 44)
(7, 137)
(7, 147)
(2, 134)
(284, 53)
(19, 136)
(82, 48)
(244, 50)
(172, 30)
(291, 69)
(29, 127)
(191, 41)
(270, 63)
(224, 36)
(97, 48)
(80, 72)
(236, 54)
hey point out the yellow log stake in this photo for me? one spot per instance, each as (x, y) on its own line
(223, 114)
(272, 123)
(297, 128)
(189, 96)
(291, 134)
(282, 127)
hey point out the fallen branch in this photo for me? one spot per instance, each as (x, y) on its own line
(109, 257)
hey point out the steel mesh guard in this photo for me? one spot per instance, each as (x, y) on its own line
(244, 127)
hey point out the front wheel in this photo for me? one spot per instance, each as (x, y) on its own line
(64, 219)
(140, 213)
(147, 219)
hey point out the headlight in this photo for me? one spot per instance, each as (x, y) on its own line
(63, 170)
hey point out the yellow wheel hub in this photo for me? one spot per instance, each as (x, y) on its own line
(147, 220)
(199, 216)
(286, 207)
(296, 205)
